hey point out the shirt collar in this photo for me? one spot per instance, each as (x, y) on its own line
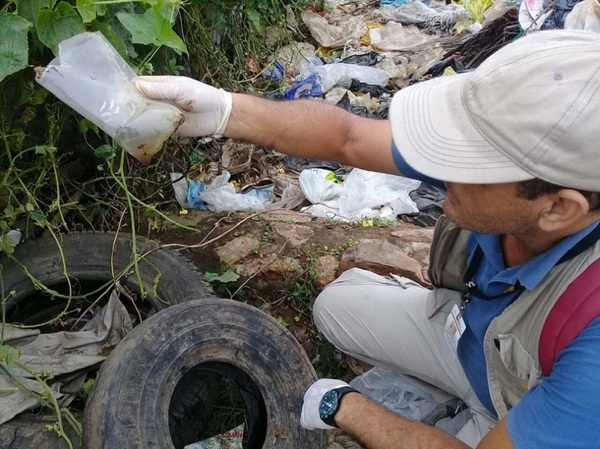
(532, 272)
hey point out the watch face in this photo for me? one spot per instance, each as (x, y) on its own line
(329, 404)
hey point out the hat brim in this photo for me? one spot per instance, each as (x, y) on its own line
(434, 134)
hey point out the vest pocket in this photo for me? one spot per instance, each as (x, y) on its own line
(518, 362)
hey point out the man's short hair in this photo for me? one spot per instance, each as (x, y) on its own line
(535, 188)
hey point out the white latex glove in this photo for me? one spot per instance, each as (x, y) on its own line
(310, 418)
(206, 108)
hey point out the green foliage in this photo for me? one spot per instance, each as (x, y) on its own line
(222, 283)
(231, 41)
(151, 28)
(50, 22)
(86, 388)
(13, 43)
(9, 355)
(36, 130)
(228, 276)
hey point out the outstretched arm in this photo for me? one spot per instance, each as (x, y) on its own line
(302, 128)
(313, 129)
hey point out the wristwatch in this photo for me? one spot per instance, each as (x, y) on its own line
(330, 403)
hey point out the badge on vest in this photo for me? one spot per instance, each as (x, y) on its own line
(455, 326)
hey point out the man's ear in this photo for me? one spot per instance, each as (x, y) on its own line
(563, 210)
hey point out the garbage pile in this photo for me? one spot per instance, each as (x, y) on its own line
(357, 56)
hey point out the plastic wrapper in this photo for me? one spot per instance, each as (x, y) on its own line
(342, 74)
(92, 78)
(413, 399)
(584, 16)
(362, 195)
(221, 196)
(348, 30)
(228, 440)
(395, 392)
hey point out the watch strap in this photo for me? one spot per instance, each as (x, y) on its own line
(341, 391)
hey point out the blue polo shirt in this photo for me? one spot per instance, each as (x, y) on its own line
(562, 411)
(493, 278)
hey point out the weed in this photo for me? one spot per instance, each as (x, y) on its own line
(220, 282)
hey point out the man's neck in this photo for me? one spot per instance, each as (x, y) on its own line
(518, 249)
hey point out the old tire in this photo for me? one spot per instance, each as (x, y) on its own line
(132, 400)
(167, 277)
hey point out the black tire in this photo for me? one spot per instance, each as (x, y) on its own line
(131, 405)
(167, 277)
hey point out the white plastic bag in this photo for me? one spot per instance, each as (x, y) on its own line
(342, 74)
(584, 16)
(319, 185)
(220, 196)
(348, 31)
(366, 189)
(92, 78)
(532, 15)
(395, 392)
(362, 194)
(393, 36)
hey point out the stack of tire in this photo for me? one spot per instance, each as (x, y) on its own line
(158, 387)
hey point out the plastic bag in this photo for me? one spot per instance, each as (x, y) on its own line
(342, 74)
(319, 185)
(228, 440)
(532, 14)
(413, 399)
(366, 189)
(305, 88)
(395, 37)
(347, 32)
(395, 392)
(363, 194)
(418, 13)
(287, 61)
(584, 16)
(220, 195)
(92, 78)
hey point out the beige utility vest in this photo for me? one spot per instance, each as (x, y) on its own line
(511, 342)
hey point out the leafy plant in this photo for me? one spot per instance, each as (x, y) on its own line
(232, 41)
(38, 133)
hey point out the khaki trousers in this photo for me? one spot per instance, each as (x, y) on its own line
(383, 321)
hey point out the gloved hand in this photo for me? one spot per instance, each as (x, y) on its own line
(310, 418)
(206, 108)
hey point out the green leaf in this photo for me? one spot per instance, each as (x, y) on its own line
(29, 9)
(14, 48)
(39, 218)
(85, 125)
(9, 355)
(104, 151)
(55, 26)
(86, 9)
(6, 244)
(45, 150)
(111, 37)
(151, 28)
(228, 276)
(9, 212)
(254, 18)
